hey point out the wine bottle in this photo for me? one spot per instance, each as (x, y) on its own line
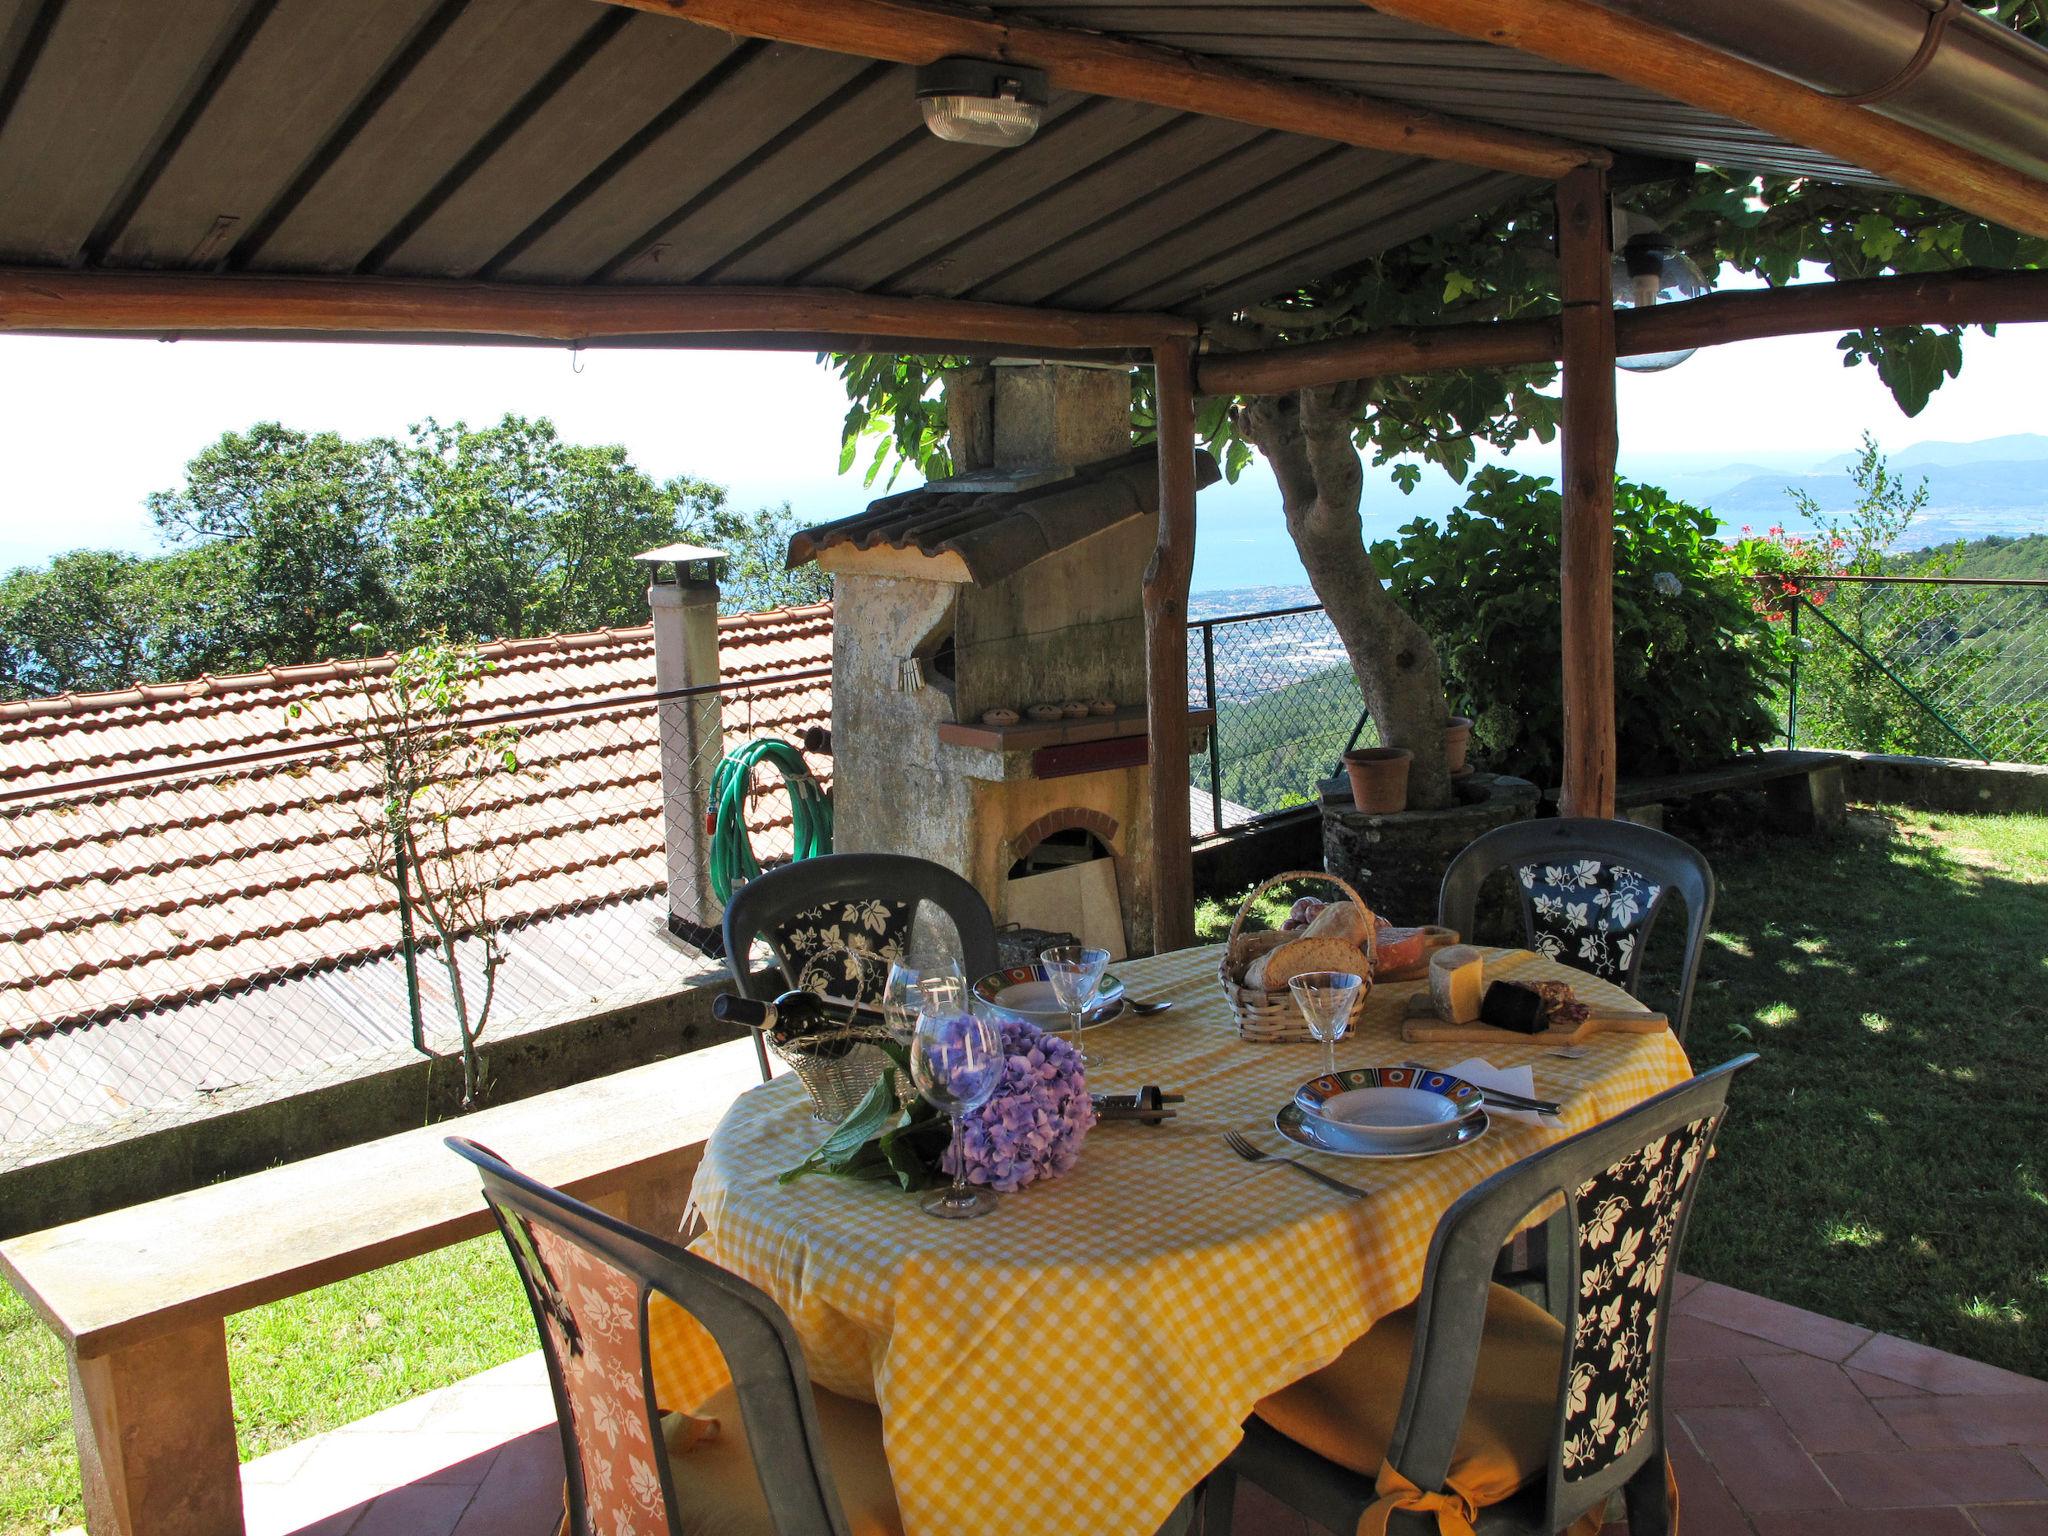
(798, 1018)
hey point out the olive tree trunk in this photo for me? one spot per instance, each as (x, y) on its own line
(1306, 437)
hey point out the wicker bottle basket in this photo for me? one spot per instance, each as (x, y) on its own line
(1272, 1017)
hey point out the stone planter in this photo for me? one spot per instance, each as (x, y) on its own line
(1398, 859)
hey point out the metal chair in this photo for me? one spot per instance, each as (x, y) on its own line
(1580, 1431)
(1590, 889)
(591, 1280)
(782, 900)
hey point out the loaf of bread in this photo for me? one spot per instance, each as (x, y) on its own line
(1342, 920)
(1272, 971)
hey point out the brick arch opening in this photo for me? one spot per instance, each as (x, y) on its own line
(1072, 827)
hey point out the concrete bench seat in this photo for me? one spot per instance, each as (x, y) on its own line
(1804, 788)
(140, 1296)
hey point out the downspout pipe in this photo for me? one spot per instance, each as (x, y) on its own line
(1981, 85)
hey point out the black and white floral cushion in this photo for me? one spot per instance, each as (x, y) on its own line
(1590, 915)
(1628, 1220)
(843, 948)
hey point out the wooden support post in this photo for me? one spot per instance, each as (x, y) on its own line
(1166, 649)
(156, 1436)
(1586, 542)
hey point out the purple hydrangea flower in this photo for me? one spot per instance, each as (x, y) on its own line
(1032, 1126)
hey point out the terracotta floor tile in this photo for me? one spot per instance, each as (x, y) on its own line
(1694, 1338)
(1745, 1312)
(423, 1509)
(1933, 1371)
(1899, 1479)
(2015, 1418)
(2010, 1519)
(1705, 1508)
(1821, 1404)
(1865, 1522)
(1684, 1286)
(272, 1512)
(1758, 1460)
(380, 1462)
(1709, 1382)
(522, 1494)
(1874, 1386)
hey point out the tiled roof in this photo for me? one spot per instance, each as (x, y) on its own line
(996, 529)
(226, 851)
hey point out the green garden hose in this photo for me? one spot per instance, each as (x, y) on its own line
(810, 809)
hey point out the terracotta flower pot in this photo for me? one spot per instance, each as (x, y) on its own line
(1457, 737)
(1379, 778)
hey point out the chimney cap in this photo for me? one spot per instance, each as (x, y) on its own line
(683, 556)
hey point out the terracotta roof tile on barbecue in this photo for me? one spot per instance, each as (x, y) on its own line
(185, 839)
(995, 530)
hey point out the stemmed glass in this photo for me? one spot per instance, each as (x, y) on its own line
(1075, 971)
(1325, 999)
(956, 1058)
(903, 998)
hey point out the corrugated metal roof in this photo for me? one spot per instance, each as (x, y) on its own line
(996, 530)
(560, 141)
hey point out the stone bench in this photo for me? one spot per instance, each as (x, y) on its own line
(140, 1296)
(1805, 789)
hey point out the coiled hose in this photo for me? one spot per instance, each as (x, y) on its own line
(810, 809)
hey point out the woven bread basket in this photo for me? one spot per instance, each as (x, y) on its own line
(1272, 1017)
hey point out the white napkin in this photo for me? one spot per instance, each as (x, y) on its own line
(1521, 1080)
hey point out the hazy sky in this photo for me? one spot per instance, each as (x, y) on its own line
(90, 426)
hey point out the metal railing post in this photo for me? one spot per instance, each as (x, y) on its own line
(1792, 688)
(1215, 736)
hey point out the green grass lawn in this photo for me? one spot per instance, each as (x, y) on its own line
(1886, 1162)
(299, 1366)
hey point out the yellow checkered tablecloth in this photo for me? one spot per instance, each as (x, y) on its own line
(1077, 1360)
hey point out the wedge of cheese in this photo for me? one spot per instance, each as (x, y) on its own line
(1457, 983)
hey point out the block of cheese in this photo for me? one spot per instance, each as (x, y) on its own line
(1457, 983)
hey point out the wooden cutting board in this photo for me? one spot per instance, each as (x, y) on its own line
(1422, 1026)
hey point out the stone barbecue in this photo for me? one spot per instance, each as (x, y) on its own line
(969, 611)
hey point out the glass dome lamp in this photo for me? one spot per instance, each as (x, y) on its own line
(1651, 269)
(974, 101)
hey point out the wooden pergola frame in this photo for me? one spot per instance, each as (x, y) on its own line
(1585, 337)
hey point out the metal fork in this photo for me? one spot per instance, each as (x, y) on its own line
(1245, 1148)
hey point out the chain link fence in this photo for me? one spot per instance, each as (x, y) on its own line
(1941, 666)
(1287, 705)
(226, 928)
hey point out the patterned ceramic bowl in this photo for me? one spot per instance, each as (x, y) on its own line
(1390, 1101)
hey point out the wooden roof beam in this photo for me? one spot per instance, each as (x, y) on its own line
(194, 304)
(915, 32)
(1968, 297)
(1591, 37)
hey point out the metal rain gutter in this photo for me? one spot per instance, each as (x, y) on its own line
(1937, 65)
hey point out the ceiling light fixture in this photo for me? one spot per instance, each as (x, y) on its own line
(1649, 268)
(974, 101)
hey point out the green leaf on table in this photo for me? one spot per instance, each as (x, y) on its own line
(868, 1120)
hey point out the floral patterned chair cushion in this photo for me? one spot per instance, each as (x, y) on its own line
(843, 948)
(1628, 1217)
(1590, 915)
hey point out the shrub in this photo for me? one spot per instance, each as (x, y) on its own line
(1691, 657)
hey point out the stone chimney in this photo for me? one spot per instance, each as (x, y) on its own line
(1047, 417)
(682, 596)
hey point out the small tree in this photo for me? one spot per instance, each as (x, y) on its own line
(431, 770)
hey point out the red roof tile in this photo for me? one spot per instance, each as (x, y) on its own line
(227, 851)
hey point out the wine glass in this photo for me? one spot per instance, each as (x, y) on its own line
(1075, 971)
(903, 997)
(1325, 999)
(956, 1058)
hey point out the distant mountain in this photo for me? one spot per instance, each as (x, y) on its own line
(2013, 448)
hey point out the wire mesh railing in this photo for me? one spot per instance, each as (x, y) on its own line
(1940, 666)
(231, 926)
(1287, 705)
